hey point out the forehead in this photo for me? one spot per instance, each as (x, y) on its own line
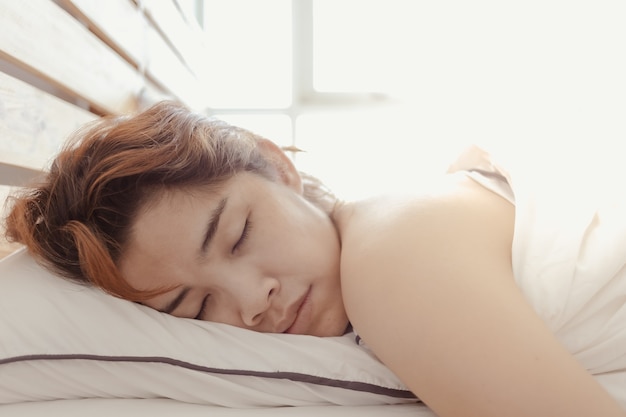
(171, 197)
(166, 227)
(172, 210)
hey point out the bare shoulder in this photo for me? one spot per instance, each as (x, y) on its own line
(392, 246)
(455, 213)
(428, 284)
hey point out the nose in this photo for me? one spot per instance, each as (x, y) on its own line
(254, 299)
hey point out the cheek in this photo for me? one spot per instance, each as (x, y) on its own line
(220, 313)
(296, 238)
(296, 246)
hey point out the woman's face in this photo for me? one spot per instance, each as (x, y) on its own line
(253, 254)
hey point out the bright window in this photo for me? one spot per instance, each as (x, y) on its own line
(250, 44)
(356, 44)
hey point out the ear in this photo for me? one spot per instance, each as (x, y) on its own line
(285, 168)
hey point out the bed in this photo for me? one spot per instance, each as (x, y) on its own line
(159, 407)
(68, 348)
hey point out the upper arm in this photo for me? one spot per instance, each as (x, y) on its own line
(433, 295)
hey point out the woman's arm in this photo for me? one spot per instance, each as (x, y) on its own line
(428, 284)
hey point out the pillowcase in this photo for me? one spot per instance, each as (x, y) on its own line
(61, 340)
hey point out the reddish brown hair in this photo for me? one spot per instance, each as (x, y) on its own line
(77, 221)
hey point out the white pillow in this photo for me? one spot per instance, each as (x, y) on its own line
(60, 340)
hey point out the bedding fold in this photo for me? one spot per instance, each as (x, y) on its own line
(569, 257)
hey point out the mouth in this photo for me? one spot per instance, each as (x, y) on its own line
(302, 316)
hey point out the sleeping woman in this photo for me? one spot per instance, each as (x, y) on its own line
(199, 219)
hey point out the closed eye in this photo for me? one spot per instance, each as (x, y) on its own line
(244, 235)
(202, 308)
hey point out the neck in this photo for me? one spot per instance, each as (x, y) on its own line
(341, 216)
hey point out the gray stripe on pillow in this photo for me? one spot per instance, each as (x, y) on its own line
(292, 376)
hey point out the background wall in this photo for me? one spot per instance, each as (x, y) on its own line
(533, 81)
(381, 94)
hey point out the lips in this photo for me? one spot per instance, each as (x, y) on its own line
(302, 315)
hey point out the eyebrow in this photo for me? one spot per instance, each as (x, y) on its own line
(212, 226)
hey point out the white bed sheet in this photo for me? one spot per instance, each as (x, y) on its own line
(98, 407)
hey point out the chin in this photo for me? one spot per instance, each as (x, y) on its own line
(334, 329)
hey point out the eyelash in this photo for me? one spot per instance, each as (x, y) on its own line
(244, 235)
(202, 309)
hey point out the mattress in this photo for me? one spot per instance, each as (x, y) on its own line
(96, 407)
